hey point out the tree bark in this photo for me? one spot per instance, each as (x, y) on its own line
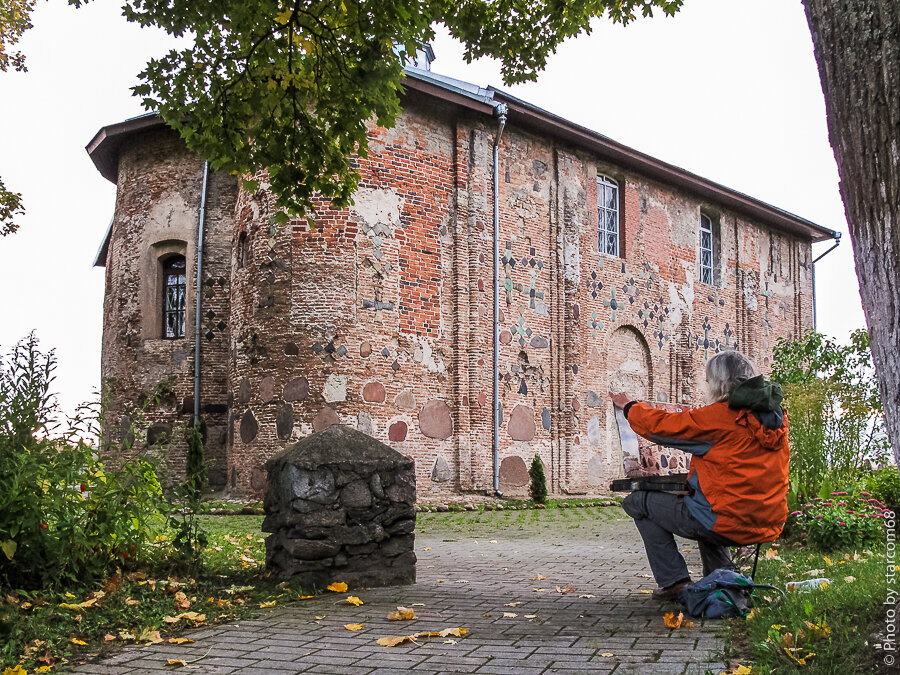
(857, 49)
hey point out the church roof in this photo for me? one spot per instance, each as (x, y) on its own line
(103, 149)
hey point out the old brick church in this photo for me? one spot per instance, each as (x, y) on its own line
(614, 269)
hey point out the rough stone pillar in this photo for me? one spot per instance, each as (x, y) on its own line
(340, 507)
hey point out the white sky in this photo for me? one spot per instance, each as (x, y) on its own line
(727, 89)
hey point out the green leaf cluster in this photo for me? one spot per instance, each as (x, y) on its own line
(64, 516)
(836, 421)
(283, 91)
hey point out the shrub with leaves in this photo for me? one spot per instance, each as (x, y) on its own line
(64, 515)
(836, 418)
(538, 481)
(842, 521)
(884, 484)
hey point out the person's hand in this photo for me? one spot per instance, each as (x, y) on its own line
(621, 399)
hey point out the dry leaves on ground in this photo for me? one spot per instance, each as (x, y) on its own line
(402, 614)
(568, 588)
(539, 577)
(338, 587)
(353, 600)
(401, 639)
(353, 626)
(675, 622)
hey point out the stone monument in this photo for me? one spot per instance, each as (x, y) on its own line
(340, 507)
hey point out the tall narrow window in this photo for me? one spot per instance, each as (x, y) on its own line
(608, 215)
(174, 294)
(707, 275)
(243, 250)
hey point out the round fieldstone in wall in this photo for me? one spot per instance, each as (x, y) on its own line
(244, 391)
(540, 342)
(435, 420)
(249, 427)
(325, 418)
(397, 432)
(284, 421)
(440, 472)
(505, 337)
(521, 423)
(596, 471)
(593, 430)
(513, 472)
(576, 405)
(297, 389)
(365, 349)
(267, 389)
(373, 392)
(594, 400)
(482, 399)
(291, 349)
(405, 400)
(364, 424)
(545, 418)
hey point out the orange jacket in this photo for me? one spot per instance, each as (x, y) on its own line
(739, 468)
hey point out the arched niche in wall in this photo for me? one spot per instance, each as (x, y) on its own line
(629, 369)
(153, 282)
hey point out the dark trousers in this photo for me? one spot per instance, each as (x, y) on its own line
(660, 515)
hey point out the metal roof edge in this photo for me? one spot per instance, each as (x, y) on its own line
(100, 258)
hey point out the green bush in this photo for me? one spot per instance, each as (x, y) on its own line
(538, 481)
(843, 521)
(884, 484)
(836, 422)
(64, 515)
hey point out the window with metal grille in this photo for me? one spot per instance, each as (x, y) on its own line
(243, 251)
(707, 269)
(608, 215)
(174, 292)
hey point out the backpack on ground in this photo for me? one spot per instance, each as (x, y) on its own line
(722, 594)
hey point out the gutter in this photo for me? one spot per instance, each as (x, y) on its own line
(500, 112)
(837, 242)
(200, 220)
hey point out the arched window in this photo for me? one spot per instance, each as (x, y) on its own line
(243, 251)
(174, 296)
(608, 215)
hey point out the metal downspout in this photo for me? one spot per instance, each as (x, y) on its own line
(500, 112)
(837, 242)
(200, 220)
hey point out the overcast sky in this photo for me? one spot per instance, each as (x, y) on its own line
(727, 89)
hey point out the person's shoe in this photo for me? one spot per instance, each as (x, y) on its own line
(671, 592)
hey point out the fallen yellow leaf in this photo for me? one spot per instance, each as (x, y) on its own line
(319, 618)
(176, 663)
(402, 614)
(181, 601)
(263, 605)
(539, 577)
(338, 587)
(771, 553)
(353, 626)
(607, 654)
(394, 641)
(509, 615)
(76, 641)
(43, 669)
(180, 641)
(353, 600)
(109, 637)
(674, 622)
(646, 591)
(307, 597)
(568, 588)
(131, 601)
(18, 670)
(531, 616)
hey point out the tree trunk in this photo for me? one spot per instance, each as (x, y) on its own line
(857, 49)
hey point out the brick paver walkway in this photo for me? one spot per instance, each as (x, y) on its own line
(468, 572)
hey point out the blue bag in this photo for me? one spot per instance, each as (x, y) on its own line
(721, 594)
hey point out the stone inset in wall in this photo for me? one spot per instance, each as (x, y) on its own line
(435, 420)
(340, 507)
(514, 478)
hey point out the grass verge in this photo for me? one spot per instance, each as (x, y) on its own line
(832, 629)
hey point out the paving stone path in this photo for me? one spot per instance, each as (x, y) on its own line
(470, 568)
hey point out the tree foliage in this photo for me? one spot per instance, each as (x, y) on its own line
(288, 87)
(15, 19)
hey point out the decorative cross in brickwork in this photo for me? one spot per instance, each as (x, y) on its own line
(522, 330)
(611, 303)
(648, 275)
(728, 334)
(705, 342)
(595, 324)
(766, 322)
(631, 290)
(530, 292)
(329, 349)
(716, 300)
(594, 285)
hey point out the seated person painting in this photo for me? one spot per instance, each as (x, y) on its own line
(738, 476)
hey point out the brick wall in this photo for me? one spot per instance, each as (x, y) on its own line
(380, 315)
